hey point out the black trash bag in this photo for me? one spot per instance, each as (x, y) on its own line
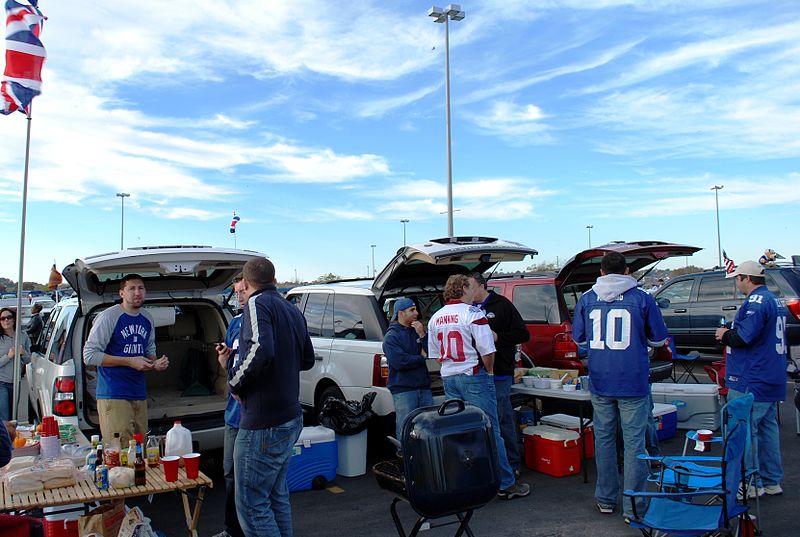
(347, 417)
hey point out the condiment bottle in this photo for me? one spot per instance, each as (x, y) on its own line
(139, 473)
(131, 454)
(112, 455)
(153, 452)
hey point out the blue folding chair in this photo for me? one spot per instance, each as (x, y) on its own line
(687, 362)
(678, 512)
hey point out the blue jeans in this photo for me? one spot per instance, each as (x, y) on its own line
(231, 520)
(651, 440)
(631, 414)
(261, 462)
(6, 391)
(505, 416)
(478, 390)
(765, 441)
(406, 402)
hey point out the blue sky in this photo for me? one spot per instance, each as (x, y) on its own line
(322, 125)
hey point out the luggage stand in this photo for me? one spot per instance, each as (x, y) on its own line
(390, 477)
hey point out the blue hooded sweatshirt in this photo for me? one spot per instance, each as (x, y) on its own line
(407, 370)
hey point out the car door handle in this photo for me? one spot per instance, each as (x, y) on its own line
(318, 357)
(728, 308)
(681, 310)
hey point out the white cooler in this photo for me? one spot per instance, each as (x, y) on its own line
(698, 404)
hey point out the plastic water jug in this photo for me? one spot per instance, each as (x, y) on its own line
(179, 441)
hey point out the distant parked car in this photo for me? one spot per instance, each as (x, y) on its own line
(547, 301)
(694, 306)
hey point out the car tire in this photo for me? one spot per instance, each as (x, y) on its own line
(331, 392)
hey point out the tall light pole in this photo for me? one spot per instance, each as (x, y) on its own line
(589, 228)
(453, 11)
(404, 221)
(373, 258)
(122, 196)
(716, 190)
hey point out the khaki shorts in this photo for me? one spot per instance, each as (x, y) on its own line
(123, 417)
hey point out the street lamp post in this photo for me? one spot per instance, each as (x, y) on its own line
(122, 196)
(404, 221)
(716, 190)
(373, 258)
(589, 228)
(453, 11)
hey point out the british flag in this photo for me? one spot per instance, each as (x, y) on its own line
(25, 55)
(234, 221)
(728, 262)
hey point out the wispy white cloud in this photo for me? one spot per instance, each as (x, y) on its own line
(380, 107)
(516, 124)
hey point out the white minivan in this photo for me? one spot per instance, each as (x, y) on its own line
(184, 286)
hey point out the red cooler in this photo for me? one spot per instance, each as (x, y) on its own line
(573, 423)
(552, 450)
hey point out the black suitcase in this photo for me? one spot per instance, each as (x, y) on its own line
(450, 459)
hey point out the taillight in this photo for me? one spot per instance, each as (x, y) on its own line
(564, 348)
(64, 396)
(794, 307)
(380, 370)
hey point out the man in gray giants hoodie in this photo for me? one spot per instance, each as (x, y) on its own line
(619, 322)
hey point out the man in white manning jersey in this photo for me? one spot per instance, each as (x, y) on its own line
(460, 338)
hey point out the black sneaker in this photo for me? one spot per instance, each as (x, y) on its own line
(605, 509)
(517, 490)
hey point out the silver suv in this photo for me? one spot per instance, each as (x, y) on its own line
(183, 296)
(347, 320)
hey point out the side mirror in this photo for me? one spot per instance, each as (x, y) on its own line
(663, 303)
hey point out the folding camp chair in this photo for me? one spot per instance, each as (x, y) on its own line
(687, 362)
(678, 512)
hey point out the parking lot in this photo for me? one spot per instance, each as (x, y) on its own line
(556, 507)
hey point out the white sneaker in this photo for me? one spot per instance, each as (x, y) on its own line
(751, 492)
(772, 490)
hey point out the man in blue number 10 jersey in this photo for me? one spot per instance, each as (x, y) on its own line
(617, 322)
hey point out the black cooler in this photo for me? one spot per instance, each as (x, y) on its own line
(449, 464)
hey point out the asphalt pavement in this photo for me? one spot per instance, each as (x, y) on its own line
(556, 507)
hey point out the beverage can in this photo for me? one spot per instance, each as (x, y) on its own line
(101, 477)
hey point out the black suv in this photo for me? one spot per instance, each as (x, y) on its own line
(694, 306)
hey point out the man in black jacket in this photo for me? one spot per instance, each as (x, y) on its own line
(509, 331)
(274, 347)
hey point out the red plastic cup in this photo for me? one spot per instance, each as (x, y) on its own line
(192, 463)
(704, 435)
(170, 468)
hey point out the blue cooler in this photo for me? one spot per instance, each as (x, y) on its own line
(667, 420)
(314, 459)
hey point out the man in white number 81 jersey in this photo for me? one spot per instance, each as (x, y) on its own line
(618, 322)
(460, 338)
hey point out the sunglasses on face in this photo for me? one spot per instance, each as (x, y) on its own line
(7, 318)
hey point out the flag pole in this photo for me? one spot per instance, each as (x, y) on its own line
(18, 330)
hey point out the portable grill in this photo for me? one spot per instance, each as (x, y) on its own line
(449, 466)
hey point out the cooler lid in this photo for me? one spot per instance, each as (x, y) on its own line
(549, 432)
(696, 389)
(662, 409)
(316, 435)
(564, 420)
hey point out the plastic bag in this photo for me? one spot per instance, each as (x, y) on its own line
(348, 417)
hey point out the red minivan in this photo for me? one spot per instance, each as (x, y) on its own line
(547, 301)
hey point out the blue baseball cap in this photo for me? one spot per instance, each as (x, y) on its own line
(402, 304)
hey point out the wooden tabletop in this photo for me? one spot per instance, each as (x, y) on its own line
(86, 491)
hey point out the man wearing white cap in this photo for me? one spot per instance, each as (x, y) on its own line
(756, 363)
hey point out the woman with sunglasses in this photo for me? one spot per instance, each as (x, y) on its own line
(8, 320)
